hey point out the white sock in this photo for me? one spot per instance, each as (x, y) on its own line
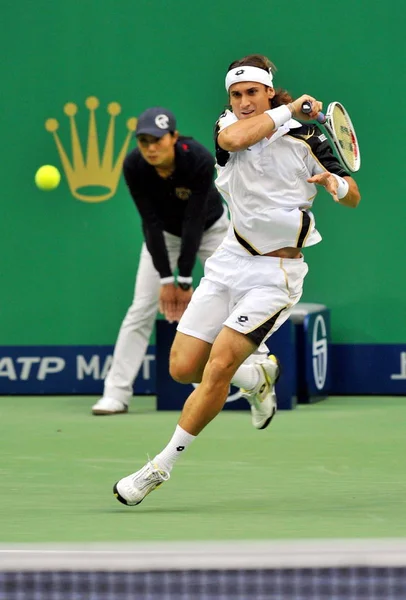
(181, 439)
(246, 377)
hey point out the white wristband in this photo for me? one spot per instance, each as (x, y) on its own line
(343, 186)
(279, 115)
(185, 279)
(165, 280)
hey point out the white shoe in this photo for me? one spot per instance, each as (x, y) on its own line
(132, 490)
(109, 406)
(263, 398)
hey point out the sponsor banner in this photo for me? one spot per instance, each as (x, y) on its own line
(368, 369)
(347, 369)
(312, 357)
(65, 370)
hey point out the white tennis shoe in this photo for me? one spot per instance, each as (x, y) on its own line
(263, 398)
(131, 490)
(109, 406)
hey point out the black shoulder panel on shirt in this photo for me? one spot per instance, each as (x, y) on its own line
(320, 146)
(222, 155)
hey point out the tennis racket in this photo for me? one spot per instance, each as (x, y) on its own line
(341, 131)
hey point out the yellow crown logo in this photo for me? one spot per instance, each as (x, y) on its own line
(97, 169)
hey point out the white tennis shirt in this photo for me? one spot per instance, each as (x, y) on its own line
(266, 190)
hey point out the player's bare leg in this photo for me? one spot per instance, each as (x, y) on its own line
(188, 358)
(228, 352)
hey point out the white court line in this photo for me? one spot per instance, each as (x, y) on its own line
(153, 556)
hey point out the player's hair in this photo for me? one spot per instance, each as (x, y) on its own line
(262, 62)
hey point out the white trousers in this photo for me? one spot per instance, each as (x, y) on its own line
(136, 329)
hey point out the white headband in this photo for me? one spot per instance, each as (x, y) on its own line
(248, 74)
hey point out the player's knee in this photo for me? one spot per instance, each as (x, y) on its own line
(180, 369)
(220, 369)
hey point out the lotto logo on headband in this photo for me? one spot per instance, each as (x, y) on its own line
(162, 121)
(238, 75)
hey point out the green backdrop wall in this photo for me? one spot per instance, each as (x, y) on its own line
(67, 266)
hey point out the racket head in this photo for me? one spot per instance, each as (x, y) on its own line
(342, 133)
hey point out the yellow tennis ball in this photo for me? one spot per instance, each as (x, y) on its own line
(47, 177)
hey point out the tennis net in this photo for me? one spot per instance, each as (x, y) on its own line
(330, 570)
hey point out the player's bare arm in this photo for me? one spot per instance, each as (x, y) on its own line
(331, 184)
(251, 127)
(352, 199)
(243, 134)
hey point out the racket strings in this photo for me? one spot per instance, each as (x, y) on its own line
(345, 136)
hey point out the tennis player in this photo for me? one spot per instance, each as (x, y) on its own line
(269, 166)
(170, 179)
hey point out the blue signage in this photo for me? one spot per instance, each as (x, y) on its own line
(64, 370)
(313, 357)
(311, 368)
(369, 369)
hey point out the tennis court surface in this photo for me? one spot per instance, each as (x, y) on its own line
(242, 499)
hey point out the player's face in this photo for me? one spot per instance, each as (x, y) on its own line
(249, 99)
(158, 152)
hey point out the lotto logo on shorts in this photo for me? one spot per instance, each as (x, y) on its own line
(242, 319)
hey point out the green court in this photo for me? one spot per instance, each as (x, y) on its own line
(330, 470)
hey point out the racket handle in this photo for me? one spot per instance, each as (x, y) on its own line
(307, 108)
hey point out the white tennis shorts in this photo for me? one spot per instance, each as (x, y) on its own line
(251, 294)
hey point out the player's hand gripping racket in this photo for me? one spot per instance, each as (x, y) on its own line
(341, 132)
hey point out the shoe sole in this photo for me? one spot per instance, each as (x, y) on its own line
(100, 412)
(269, 419)
(121, 499)
(267, 422)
